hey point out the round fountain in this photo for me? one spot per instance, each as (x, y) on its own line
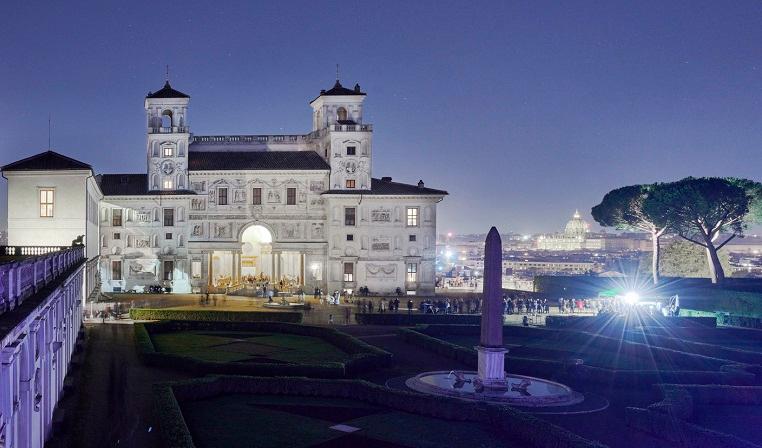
(490, 383)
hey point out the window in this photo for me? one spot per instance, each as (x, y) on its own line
(290, 196)
(349, 216)
(341, 114)
(350, 183)
(196, 269)
(116, 217)
(411, 238)
(169, 267)
(349, 272)
(168, 184)
(412, 273)
(222, 196)
(350, 237)
(116, 270)
(168, 151)
(46, 203)
(351, 150)
(412, 216)
(257, 195)
(117, 236)
(168, 236)
(169, 217)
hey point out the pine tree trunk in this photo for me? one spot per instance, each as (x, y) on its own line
(715, 267)
(655, 257)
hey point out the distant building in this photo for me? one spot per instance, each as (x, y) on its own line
(574, 237)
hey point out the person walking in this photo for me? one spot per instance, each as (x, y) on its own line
(409, 306)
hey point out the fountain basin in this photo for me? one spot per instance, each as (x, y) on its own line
(538, 393)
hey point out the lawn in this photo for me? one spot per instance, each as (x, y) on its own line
(241, 346)
(271, 421)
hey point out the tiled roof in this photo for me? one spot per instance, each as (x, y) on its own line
(48, 160)
(387, 187)
(167, 92)
(131, 185)
(338, 90)
(255, 160)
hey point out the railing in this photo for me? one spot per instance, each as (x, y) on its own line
(244, 139)
(340, 128)
(168, 130)
(36, 267)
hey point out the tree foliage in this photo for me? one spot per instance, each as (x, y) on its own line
(681, 258)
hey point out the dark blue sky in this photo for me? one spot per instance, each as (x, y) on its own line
(524, 111)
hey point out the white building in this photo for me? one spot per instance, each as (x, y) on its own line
(574, 237)
(213, 212)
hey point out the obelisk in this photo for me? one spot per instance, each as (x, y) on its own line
(490, 349)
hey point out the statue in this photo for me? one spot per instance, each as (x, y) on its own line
(78, 241)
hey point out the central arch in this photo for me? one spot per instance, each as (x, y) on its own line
(256, 250)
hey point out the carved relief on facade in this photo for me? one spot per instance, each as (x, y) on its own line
(143, 269)
(222, 230)
(273, 197)
(198, 204)
(318, 230)
(198, 186)
(381, 271)
(381, 215)
(239, 196)
(291, 230)
(380, 243)
(142, 242)
(197, 230)
(316, 186)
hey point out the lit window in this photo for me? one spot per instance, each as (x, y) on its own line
(116, 217)
(168, 151)
(291, 196)
(46, 203)
(412, 273)
(257, 195)
(412, 216)
(168, 184)
(350, 183)
(222, 196)
(169, 266)
(169, 217)
(116, 270)
(351, 150)
(349, 216)
(349, 272)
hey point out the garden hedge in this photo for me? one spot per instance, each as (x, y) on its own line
(363, 357)
(214, 315)
(719, 394)
(403, 318)
(511, 422)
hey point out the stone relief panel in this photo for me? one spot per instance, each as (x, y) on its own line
(381, 271)
(197, 231)
(380, 244)
(316, 186)
(198, 204)
(222, 230)
(143, 269)
(291, 230)
(273, 197)
(239, 196)
(318, 231)
(381, 215)
(198, 186)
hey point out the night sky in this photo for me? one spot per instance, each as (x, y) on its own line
(523, 111)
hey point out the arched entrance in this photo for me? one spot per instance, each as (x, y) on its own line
(256, 250)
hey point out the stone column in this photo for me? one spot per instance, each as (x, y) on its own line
(491, 353)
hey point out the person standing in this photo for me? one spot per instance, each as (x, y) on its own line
(409, 306)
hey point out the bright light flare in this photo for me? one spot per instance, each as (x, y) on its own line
(631, 298)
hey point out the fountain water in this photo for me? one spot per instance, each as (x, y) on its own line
(490, 383)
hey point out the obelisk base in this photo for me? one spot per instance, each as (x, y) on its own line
(492, 367)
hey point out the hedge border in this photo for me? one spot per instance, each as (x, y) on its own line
(511, 422)
(214, 315)
(405, 318)
(363, 357)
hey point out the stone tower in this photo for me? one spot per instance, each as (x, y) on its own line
(168, 138)
(342, 138)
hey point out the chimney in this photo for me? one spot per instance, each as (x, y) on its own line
(420, 183)
(386, 179)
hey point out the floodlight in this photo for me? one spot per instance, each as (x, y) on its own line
(631, 298)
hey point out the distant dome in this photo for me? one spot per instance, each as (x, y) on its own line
(576, 227)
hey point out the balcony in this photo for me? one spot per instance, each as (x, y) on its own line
(25, 270)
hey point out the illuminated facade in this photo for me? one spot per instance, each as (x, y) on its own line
(574, 237)
(213, 212)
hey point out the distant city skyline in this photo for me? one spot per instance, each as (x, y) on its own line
(524, 112)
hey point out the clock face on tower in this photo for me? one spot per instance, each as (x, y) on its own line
(167, 167)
